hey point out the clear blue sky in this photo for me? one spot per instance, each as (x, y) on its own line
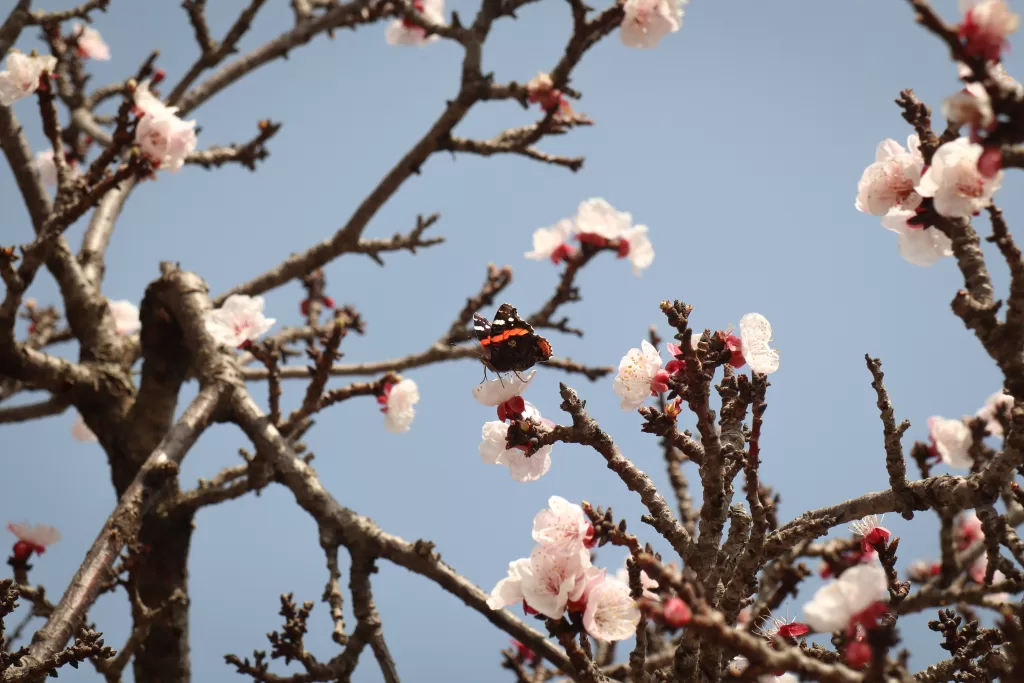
(739, 141)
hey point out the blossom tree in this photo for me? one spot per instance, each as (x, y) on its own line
(704, 608)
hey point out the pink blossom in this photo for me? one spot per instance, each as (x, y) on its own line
(404, 32)
(638, 372)
(971, 106)
(546, 581)
(871, 532)
(969, 530)
(541, 89)
(611, 612)
(21, 76)
(81, 432)
(32, 539)
(986, 26)
(239, 322)
(90, 43)
(889, 182)
(494, 450)
(553, 243)
(399, 405)
(756, 335)
(646, 22)
(563, 525)
(951, 441)
(918, 244)
(996, 404)
(837, 602)
(126, 316)
(954, 181)
(166, 140)
(147, 103)
(48, 169)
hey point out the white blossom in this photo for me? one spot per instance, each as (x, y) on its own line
(889, 182)
(636, 371)
(166, 139)
(995, 404)
(971, 106)
(953, 179)
(837, 601)
(20, 77)
(81, 432)
(598, 217)
(404, 32)
(918, 244)
(39, 536)
(646, 22)
(952, 440)
(494, 392)
(611, 612)
(548, 241)
(755, 336)
(562, 524)
(548, 580)
(400, 407)
(640, 252)
(90, 43)
(126, 316)
(238, 321)
(522, 468)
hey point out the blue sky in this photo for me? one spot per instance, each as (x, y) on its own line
(739, 142)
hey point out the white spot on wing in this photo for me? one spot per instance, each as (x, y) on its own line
(500, 322)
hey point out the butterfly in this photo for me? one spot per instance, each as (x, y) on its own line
(509, 343)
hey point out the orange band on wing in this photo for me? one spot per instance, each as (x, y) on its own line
(514, 332)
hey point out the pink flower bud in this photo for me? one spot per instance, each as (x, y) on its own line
(676, 613)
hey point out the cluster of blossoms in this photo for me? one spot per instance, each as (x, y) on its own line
(951, 440)
(240, 322)
(160, 133)
(558, 576)
(964, 174)
(32, 539)
(642, 373)
(505, 394)
(597, 223)
(644, 22)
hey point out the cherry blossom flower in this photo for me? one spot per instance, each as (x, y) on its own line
(505, 393)
(971, 106)
(969, 530)
(494, 450)
(954, 181)
(404, 32)
(918, 244)
(646, 22)
(646, 583)
(553, 243)
(636, 246)
(871, 532)
(541, 89)
(836, 603)
(563, 525)
(611, 612)
(239, 322)
(162, 136)
(755, 335)
(546, 581)
(996, 404)
(126, 316)
(951, 441)
(32, 539)
(639, 376)
(986, 26)
(398, 405)
(20, 77)
(90, 43)
(81, 432)
(48, 169)
(889, 182)
(597, 219)
(675, 612)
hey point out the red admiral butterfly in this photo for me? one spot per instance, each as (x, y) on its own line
(510, 344)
